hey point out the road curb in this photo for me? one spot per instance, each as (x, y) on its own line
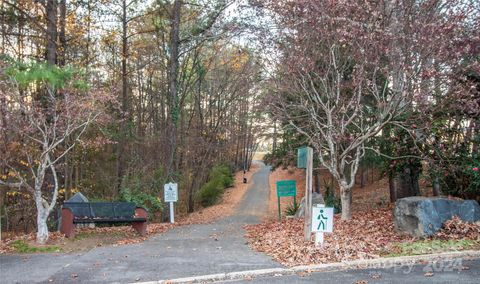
(387, 262)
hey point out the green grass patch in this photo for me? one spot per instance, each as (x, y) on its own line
(83, 235)
(432, 246)
(21, 246)
(92, 234)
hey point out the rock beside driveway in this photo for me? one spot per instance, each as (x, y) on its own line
(317, 198)
(423, 216)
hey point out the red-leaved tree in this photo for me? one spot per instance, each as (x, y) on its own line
(349, 68)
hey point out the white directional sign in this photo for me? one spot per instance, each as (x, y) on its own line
(170, 193)
(322, 219)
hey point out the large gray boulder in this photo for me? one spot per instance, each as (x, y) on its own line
(317, 198)
(423, 216)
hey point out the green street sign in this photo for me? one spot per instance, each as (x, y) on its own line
(302, 158)
(286, 188)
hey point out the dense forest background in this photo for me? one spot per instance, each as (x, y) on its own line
(185, 91)
(180, 89)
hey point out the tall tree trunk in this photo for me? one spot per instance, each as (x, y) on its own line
(125, 102)
(42, 228)
(40, 203)
(414, 176)
(405, 183)
(51, 51)
(4, 137)
(191, 201)
(61, 36)
(87, 47)
(362, 176)
(476, 130)
(346, 199)
(437, 190)
(392, 189)
(316, 176)
(173, 85)
(4, 28)
(274, 144)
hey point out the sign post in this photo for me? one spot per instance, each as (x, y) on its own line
(170, 194)
(286, 188)
(322, 222)
(305, 160)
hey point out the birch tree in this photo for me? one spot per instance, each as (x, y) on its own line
(43, 132)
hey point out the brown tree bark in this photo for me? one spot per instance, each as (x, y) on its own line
(124, 115)
(316, 177)
(436, 188)
(61, 36)
(173, 86)
(405, 183)
(51, 36)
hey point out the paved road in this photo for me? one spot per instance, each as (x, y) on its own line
(199, 250)
(181, 252)
(443, 272)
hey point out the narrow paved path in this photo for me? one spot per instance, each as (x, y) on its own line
(181, 252)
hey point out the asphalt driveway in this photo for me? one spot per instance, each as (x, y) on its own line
(183, 251)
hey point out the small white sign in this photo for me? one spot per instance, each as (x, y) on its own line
(322, 219)
(170, 192)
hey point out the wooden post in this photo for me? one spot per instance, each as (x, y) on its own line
(67, 227)
(308, 195)
(279, 210)
(140, 227)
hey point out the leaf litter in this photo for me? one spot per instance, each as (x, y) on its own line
(369, 234)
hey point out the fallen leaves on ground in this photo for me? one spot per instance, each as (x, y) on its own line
(457, 229)
(363, 237)
(90, 237)
(369, 234)
(5, 244)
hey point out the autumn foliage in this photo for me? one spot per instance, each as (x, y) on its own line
(352, 71)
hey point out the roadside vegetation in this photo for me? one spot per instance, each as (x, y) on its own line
(220, 177)
(21, 246)
(432, 246)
